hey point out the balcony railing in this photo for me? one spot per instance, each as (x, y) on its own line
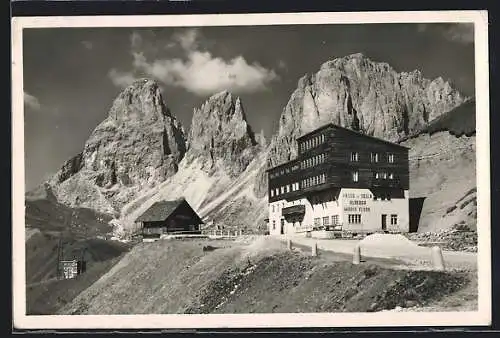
(294, 210)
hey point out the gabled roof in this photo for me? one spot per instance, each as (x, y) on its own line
(159, 211)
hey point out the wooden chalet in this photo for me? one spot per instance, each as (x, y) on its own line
(169, 217)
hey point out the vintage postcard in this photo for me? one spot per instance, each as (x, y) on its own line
(251, 171)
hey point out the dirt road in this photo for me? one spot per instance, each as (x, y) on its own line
(417, 257)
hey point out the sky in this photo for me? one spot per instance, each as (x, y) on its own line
(72, 75)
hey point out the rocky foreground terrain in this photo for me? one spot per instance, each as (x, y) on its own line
(257, 277)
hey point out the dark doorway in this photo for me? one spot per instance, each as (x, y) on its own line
(384, 222)
(416, 205)
(282, 226)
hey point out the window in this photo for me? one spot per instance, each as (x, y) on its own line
(288, 188)
(273, 207)
(354, 218)
(274, 225)
(391, 176)
(316, 222)
(384, 175)
(394, 219)
(335, 219)
(390, 158)
(355, 176)
(326, 221)
(374, 157)
(282, 190)
(377, 176)
(272, 192)
(277, 192)
(322, 138)
(354, 156)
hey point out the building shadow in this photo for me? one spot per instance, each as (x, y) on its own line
(415, 206)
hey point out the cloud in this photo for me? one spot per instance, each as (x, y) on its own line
(88, 45)
(32, 102)
(197, 71)
(462, 32)
(135, 40)
(121, 79)
(282, 65)
(456, 32)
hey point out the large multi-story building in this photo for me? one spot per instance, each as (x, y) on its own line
(341, 179)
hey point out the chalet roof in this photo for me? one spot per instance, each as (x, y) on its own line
(334, 126)
(159, 211)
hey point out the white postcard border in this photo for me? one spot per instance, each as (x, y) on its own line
(378, 319)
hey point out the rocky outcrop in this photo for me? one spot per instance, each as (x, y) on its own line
(220, 135)
(367, 96)
(136, 147)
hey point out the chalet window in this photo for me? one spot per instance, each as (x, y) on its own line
(282, 190)
(374, 157)
(391, 176)
(277, 192)
(377, 176)
(354, 218)
(288, 188)
(316, 222)
(394, 219)
(384, 175)
(354, 157)
(323, 138)
(390, 158)
(335, 219)
(355, 176)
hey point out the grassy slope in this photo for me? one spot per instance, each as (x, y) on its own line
(47, 214)
(179, 277)
(443, 170)
(459, 121)
(45, 294)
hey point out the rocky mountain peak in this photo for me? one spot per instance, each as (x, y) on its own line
(358, 93)
(220, 134)
(138, 145)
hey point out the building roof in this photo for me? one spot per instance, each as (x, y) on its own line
(159, 211)
(284, 164)
(331, 125)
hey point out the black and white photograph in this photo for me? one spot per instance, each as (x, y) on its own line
(264, 170)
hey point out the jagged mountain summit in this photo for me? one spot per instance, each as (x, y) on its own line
(222, 160)
(221, 136)
(136, 147)
(360, 94)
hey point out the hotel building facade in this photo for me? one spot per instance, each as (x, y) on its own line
(340, 180)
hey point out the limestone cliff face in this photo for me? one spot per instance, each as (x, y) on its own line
(137, 146)
(220, 136)
(363, 95)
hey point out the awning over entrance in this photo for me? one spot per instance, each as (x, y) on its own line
(294, 210)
